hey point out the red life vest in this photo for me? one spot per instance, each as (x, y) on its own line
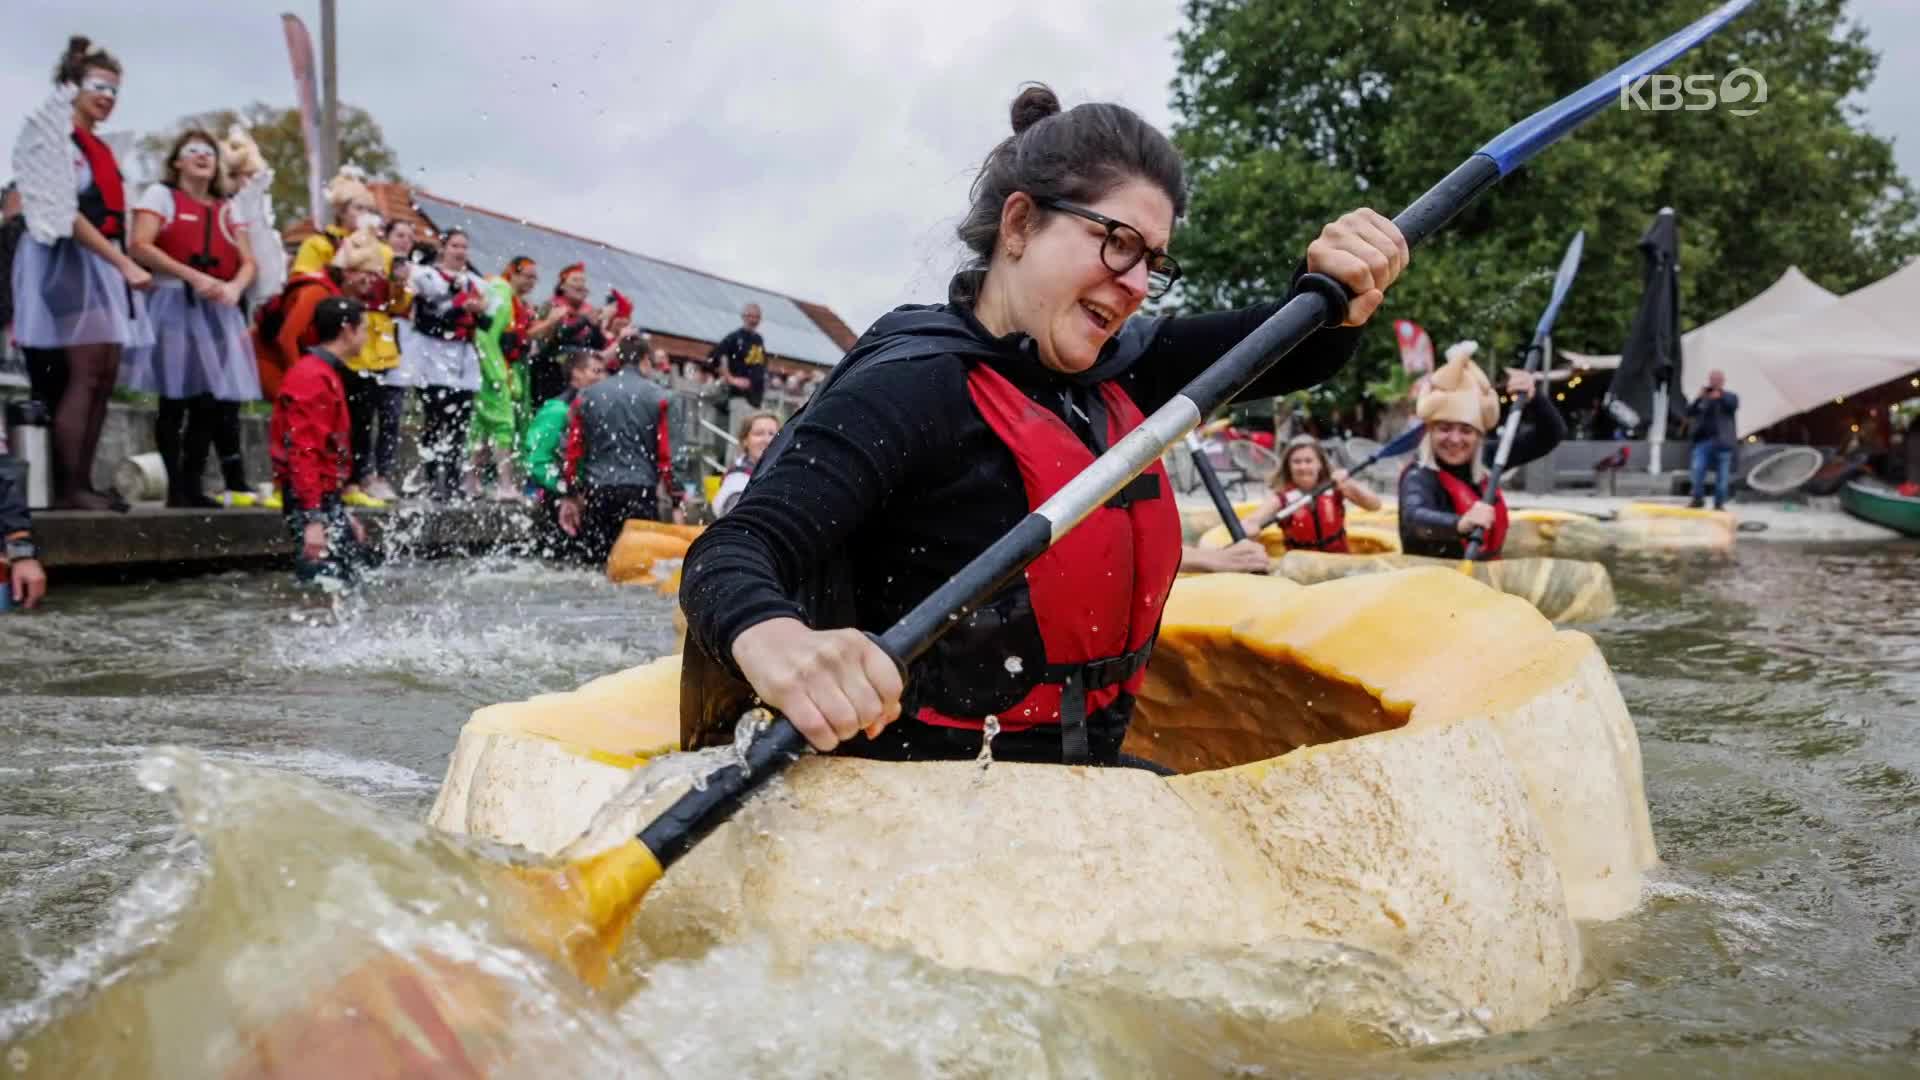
(104, 203)
(1464, 495)
(1097, 594)
(201, 236)
(513, 339)
(1321, 526)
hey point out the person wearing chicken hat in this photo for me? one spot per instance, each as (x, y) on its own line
(1440, 502)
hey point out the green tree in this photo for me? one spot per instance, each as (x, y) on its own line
(277, 130)
(1291, 112)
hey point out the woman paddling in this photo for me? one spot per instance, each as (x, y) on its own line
(1440, 493)
(1322, 524)
(947, 424)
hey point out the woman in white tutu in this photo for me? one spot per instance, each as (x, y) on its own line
(77, 298)
(185, 232)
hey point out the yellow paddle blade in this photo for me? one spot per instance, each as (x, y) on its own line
(579, 913)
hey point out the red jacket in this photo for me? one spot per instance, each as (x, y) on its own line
(311, 438)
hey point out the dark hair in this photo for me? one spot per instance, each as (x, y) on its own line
(514, 264)
(217, 188)
(79, 57)
(332, 316)
(386, 230)
(578, 358)
(447, 237)
(1078, 156)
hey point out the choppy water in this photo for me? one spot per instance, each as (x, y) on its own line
(1777, 696)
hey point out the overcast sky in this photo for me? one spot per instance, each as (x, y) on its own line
(821, 149)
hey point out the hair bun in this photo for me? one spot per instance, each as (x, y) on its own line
(1035, 102)
(78, 45)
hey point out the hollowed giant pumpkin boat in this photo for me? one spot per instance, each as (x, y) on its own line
(1409, 763)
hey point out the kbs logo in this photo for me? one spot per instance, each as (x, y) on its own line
(1741, 92)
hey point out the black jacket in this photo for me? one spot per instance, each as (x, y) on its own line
(13, 496)
(892, 473)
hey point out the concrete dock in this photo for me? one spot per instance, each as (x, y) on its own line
(153, 537)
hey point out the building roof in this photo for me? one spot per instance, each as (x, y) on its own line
(667, 298)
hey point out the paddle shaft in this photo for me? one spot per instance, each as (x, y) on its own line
(1536, 358)
(1318, 302)
(1214, 491)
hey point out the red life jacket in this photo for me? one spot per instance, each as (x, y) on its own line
(513, 339)
(200, 235)
(104, 203)
(1321, 526)
(1097, 594)
(1464, 495)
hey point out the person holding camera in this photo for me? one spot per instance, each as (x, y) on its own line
(1715, 435)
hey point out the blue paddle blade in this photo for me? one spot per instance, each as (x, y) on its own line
(1516, 145)
(1403, 443)
(1569, 266)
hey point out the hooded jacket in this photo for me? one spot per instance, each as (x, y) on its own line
(890, 481)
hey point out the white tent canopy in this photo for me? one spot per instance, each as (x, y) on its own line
(1797, 346)
(1792, 294)
(1787, 365)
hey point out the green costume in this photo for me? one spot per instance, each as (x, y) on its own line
(546, 435)
(495, 404)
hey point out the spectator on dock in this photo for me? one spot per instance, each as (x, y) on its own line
(78, 297)
(547, 437)
(450, 301)
(201, 363)
(564, 323)
(1715, 436)
(250, 200)
(498, 408)
(618, 456)
(310, 440)
(22, 580)
(378, 468)
(740, 361)
(755, 434)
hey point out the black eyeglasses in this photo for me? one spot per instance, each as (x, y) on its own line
(1125, 247)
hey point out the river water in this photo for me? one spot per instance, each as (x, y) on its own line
(1777, 696)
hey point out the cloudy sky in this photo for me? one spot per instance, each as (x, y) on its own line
(821, 150)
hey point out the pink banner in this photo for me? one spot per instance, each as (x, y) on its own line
(1416, 348)
(300, 50)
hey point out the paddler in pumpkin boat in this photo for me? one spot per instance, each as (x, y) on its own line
(946, 425)
(1440, 493)
(1321, 525)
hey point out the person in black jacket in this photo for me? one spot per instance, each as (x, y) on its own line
(1440, 503)
(947, 424)
(21, 575)
(1716, 436)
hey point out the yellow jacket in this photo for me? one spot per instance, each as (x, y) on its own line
(382, 351)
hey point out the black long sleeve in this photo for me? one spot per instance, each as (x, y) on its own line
(14, 516)
(1541, 429)
(892, 467)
